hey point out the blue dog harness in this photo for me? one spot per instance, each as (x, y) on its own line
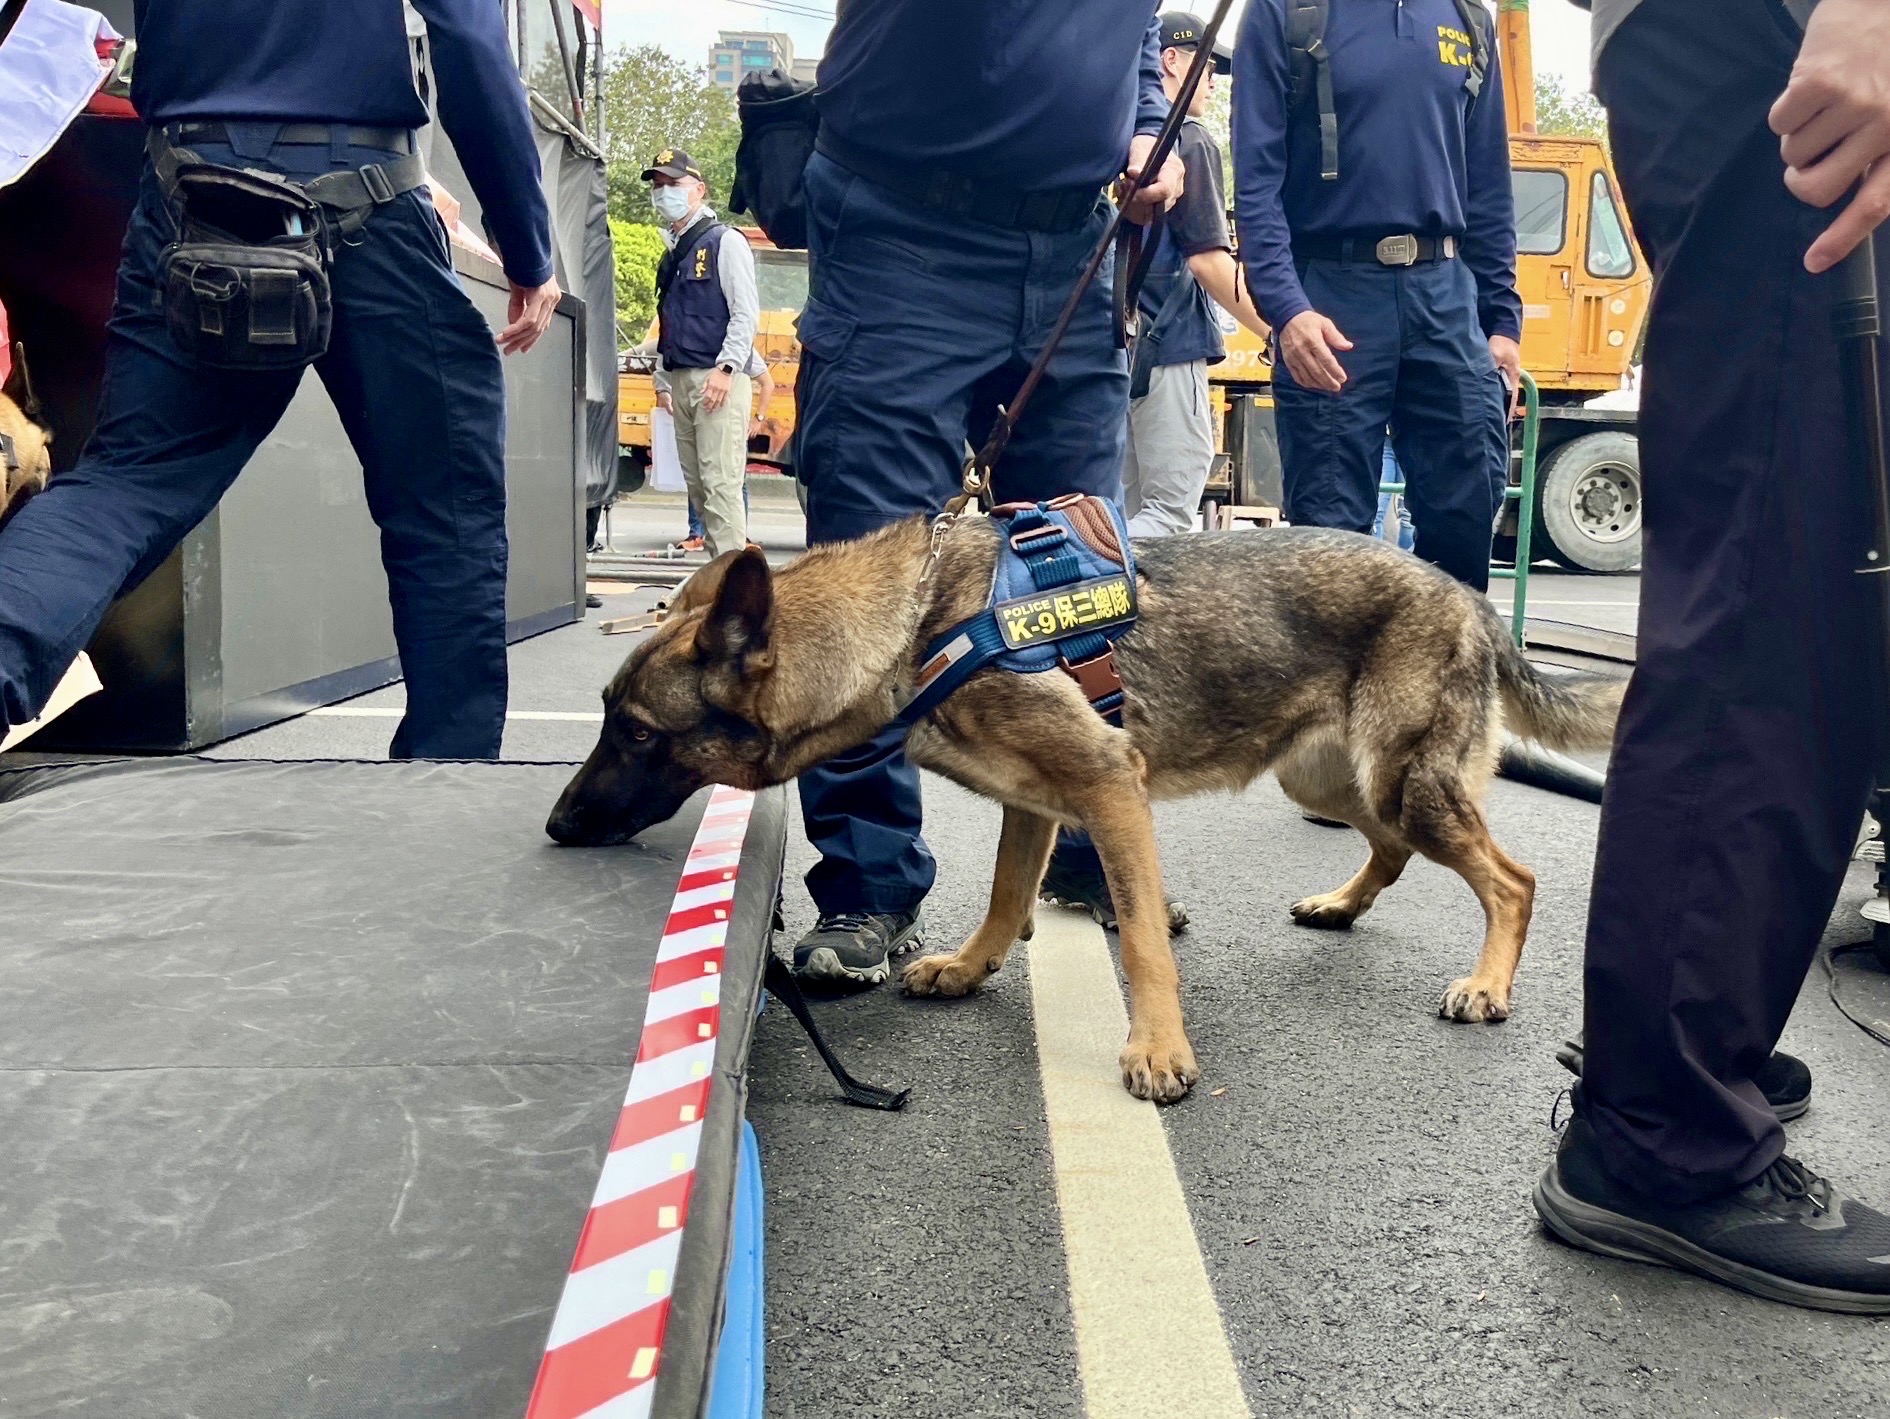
(1062, 592)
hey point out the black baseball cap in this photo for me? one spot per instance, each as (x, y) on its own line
(673, 162)
(1181, 30)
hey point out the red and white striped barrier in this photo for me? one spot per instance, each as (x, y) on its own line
(606, 1344)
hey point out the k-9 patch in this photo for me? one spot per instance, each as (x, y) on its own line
(1095, 605)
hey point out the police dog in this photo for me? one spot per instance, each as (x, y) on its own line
(25, 458)
(1374, 686)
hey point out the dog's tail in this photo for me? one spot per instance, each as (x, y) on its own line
(1560, 711)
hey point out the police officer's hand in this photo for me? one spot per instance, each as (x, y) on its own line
(715, 390)
(1508, 356)
(528, 316)
(1306, 344)
(663, 402)
(1833, 121)
(1162, 190)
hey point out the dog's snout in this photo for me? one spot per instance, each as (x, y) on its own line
(566, 826)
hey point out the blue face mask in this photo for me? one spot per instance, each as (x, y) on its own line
(671, 203)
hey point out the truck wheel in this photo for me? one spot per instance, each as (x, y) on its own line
(1588, 503)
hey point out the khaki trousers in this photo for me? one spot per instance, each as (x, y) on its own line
(713, 450)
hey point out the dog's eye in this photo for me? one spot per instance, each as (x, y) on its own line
(640, 733)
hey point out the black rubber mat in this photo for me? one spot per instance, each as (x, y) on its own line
(310, 1072)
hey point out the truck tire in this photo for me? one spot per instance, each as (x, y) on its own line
(1588, 503)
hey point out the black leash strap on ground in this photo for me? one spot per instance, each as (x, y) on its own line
(978, 472)
(780, 983)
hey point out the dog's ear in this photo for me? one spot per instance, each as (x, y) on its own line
(736, 627)
(700, 589)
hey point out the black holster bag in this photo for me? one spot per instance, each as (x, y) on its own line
(780, 121)
(245, 284)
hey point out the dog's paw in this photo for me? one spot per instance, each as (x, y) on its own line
(944, 975)
(1324, 913)
(1471, 1001)
(1163, 1072)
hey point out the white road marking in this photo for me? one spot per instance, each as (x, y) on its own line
(1149, 1337)
(396, 711)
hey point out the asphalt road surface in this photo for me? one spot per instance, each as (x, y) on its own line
(1346, 1191)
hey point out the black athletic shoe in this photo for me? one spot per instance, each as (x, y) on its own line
(1784, 1079)
(593, 600)
(857, 946)
(1787, 1235)
(1081, 884)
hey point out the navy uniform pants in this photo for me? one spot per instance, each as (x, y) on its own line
(414, 373)
(1420, 364)
(1743, 761)
(917, 327)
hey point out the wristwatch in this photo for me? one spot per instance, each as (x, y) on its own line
(726, 367)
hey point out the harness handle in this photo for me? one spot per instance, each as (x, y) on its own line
(977, 480)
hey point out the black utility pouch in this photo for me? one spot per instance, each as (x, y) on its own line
(780, 121)
(245, 285)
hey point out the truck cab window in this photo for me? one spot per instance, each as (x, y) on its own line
(1610, 253)
(1541, 210)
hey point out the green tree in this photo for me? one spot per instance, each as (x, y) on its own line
(1561, 111)
(652, 100)
(637, 248)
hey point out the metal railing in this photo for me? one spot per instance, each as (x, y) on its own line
(1523, 494)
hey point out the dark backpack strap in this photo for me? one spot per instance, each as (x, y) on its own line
(1478, 25)
(1306, 47)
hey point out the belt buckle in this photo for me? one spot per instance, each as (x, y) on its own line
(1400, 250)
(379, 188)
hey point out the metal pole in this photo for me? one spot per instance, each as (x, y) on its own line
(1858, 319)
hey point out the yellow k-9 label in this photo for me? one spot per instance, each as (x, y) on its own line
(1081, 606)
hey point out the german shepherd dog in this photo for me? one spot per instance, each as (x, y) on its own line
(1372, 684)
(25, 458)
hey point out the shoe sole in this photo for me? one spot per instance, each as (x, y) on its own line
(823, 963)
(1623, 1238)
(1570, 1059)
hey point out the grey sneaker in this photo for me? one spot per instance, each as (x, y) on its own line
(857, 947)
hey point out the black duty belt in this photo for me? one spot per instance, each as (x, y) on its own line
(389, 140)
(352, 193)
(1401, 249)
(953, 194)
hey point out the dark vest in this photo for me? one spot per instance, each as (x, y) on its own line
(692, 312)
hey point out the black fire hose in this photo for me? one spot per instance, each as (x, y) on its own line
(1526, 761)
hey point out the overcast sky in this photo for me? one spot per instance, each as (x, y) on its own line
(686, 28)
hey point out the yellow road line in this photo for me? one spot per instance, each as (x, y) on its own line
(1149, 1339)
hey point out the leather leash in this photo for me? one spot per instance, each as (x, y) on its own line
(977, 478)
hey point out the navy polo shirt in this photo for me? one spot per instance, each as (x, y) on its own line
(1028, 94)
(346, 61)
(1414, 154)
